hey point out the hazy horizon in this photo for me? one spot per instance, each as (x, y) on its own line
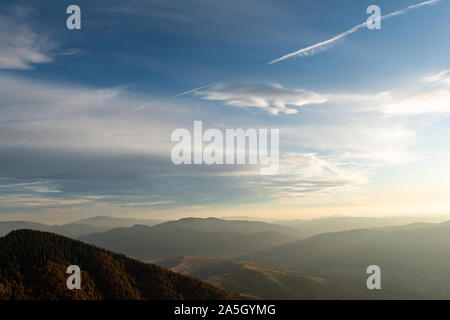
(436, 218)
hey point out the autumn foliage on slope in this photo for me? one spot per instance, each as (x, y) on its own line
(33, 266)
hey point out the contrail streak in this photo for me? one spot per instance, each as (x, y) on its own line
(192, 90)
(321, 46)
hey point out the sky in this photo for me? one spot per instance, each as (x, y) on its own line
(86, 115)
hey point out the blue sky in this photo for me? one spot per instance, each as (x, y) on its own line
(86, 115)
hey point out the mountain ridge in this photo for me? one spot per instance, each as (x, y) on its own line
(167, 241)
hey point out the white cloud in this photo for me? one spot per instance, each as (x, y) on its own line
(436, 101)
(426, 100)
(310, 166)
(70, 117)
(21, 47)
(304, 174)
(338, 150)
(267, 96)
(373, 143)
(441, 77)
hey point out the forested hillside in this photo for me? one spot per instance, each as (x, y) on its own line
(33, 266)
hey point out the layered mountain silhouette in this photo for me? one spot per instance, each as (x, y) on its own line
(414, 260)
(250, 258)
(295, 228)
(308, 228)
(8, 226)
(221, 225)
(191, 237)
(77, 228)
(33, 266)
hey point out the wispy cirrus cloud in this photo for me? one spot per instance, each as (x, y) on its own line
(308, 173)
(271, 97)
(70, 117)
(441, 77)
(428, 102)
(324, 45)
(21, 47)
(434, 100)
